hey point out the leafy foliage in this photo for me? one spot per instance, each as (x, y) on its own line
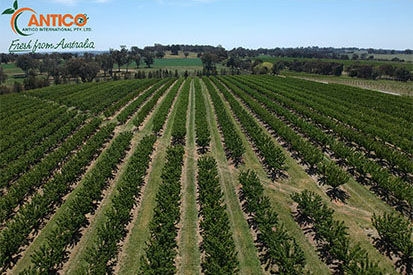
(144, 84)
(395, 234)
(38, 174)
(93, 97)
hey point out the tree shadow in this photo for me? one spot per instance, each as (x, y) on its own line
(303, 220)
(237, 162)
(203, 150)
(404, 263)
(311, 170)
(277, 174)
(402, 206)
(382, 247)
(338, 194)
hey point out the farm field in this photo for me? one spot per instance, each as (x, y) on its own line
(385, 86)
(206, 175)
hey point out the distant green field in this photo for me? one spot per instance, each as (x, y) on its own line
(8, 66)
(11, 68)
(405, 57)
(401, 56)
(402, 88)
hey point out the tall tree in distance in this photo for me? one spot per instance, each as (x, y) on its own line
(209, 61)
(87, 71)
(106, 63)
(49, 65)
(402, 74)
(120, 56)
(175, 49)
(3, 75)
(148, 58)
(160, 54)
(27, 63)
(135, 52)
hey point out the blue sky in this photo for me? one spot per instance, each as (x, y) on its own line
(231, 23)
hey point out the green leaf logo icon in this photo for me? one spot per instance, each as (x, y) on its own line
(12, 10)
(8, 11)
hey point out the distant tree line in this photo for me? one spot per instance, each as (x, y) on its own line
(314, 52)
(385, 71)
(42, 69)
(158, 51)
(314, 67)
